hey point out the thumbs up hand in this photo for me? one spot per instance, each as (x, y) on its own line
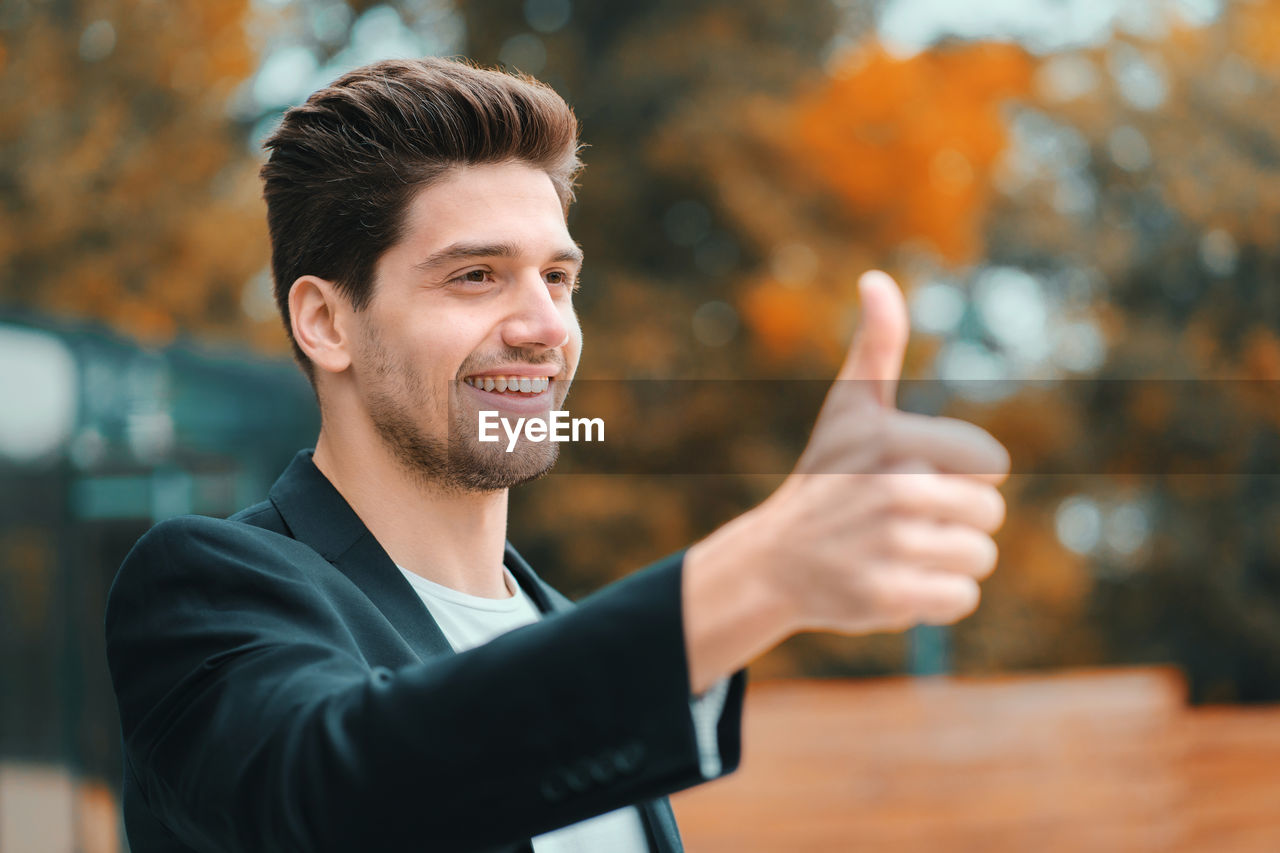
(887, 520)
(885, 523)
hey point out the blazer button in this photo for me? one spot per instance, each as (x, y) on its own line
(600, 770)
(576, 781)
(552, 791)
(628, 757)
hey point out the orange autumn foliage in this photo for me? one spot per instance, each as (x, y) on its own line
(127, 194)
(788, 321)
(1257, 29)
(908, 145)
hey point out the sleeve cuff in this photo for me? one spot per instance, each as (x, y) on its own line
(706, 710)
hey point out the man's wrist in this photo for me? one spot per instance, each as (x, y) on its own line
(736, 606)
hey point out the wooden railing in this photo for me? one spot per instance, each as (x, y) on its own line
(1082, 761)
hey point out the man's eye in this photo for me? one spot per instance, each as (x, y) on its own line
(560, 277)
(473, 277)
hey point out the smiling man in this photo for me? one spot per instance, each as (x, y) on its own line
(479, 285)
(361, 661)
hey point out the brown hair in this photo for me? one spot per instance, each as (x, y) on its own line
(345, 164)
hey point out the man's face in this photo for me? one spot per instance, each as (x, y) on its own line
(479, 287)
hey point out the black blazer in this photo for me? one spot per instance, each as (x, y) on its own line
(282, 687)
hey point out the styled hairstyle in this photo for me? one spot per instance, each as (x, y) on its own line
(345, 165)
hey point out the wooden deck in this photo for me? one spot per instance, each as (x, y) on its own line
(1085, 761)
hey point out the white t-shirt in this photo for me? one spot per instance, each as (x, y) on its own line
(469, 620)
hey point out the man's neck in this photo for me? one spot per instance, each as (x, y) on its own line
(453, 538)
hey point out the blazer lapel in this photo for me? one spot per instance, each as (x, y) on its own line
(375, 573)
(319, 516)
(660, 826)
(546, 598)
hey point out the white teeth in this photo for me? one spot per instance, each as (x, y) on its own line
(525, 384)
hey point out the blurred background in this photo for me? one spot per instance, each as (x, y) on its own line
(1081, 198)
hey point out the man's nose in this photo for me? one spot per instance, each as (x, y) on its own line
(537, 320)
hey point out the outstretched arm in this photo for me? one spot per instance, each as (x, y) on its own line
(253, 720)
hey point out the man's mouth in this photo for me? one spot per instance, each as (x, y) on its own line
(516, 386)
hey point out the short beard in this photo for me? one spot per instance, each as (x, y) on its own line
(457, 464)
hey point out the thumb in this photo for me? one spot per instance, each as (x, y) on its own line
(875, 356)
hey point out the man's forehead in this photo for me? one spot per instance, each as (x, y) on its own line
(510, 207)
(467, 187)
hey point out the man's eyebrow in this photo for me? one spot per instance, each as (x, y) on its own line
(465, 251)
(573, 253)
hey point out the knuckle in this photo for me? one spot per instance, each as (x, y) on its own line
(970, 552)
(968, 431)
(967, 602)
(887, 598)
(1004, 460)
(987, 557)
(898, 490)
(898, 537)
(961, 600)
(998, 510)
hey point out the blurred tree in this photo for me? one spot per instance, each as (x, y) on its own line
(1183, 170)
(126, 194)
(881, 153)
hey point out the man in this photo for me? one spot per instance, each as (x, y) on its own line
(332, 669)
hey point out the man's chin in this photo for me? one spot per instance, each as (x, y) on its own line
(491, 468)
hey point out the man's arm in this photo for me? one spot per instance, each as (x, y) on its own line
(253, 722)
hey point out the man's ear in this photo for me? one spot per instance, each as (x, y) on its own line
(320, 317)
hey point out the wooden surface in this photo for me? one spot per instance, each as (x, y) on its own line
(1100, 760)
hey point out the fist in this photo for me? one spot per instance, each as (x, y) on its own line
(886, 521)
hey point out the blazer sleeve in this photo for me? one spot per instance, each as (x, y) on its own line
(252, 721)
